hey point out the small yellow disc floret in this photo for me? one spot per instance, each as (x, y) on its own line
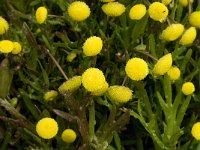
(194, 19)
(166, 2)
(6, 46)
(174, 73)
(79, 11)
(41, 15)
(17, 48)
(188, 88)
(113, 9)
(158, 11)
(3, 26)
(47, 128)
(189, 36)
(185, 2)
(101, 91)
(71, 56)
(50, 95)
(68, 136)
(137, 12)
(92, 46)
(196, 131)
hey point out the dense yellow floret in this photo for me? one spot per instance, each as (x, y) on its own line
(188, 88)
(41, 15)
(4, 26)
(194, 19)
(71, 56)
(174, 73)
(185, 2)
(68, 136)
(166, 2)
(101, 91)
(50, 95)
(137, 12)
(189, 36)
(6, 46)
(196, 131)
(17, 48)
(113, 9)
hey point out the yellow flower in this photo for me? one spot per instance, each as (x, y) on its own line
(92, 46)
(93, 79)
(113, 9)
(47, 128)
(196, 131)
(188, 88)
(194, 19)
(174, 73)
(79, 11)
(136, 69)
(41, 15)
(71, 56)
(163, 65)
(70, 85)
(17, 48)
(158, 11)
(6, 46)
(107, 0)
(50, 95)
(68, 136)
(120, 94)
(172, 32)
(185, 2)
(189, 36)
(101, 91)
(3, 26)
(137, 12)
(166, 2)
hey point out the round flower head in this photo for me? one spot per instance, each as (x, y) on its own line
(70, 85)
(41, 15)
(196, 131)
(17, 48)
(101, 91)
(185, 2)
(68, 136)
(188, 88)
(113, 9)
(78, 11)
(6, 46)
(163, 65)
(47, 128)
(71, 56)
(174, 73)
(93, 79)
(137, 12)
(158, 11)
(189, 36)
(119, 94)
(194, 19)
(50, 95)
(3, 26)
(107, 0)
(136, 69)
(166, 2)
(92, 46)
(172, 32)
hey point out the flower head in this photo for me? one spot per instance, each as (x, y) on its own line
(50, 95)
(3, 26)
(41, 15)
(79, 11)
(137, 12)
(68, 136)
(113, 9)
(188, 36)
(92, 46)
(47, 128)
(136, 69)
(194, 19)
(158, 11)
(120, 94)
(163, 65)
(174, 73)
(166, 2)
(188, 88)
(70, 85)
(101, 91)
(185, 2)
(93, 79)
(6, 46)
(71, 56)
(17, 48)
(196, 130)
(172, 32)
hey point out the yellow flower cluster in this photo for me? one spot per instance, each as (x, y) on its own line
(101, 91)
(4, 26)
(113, 9)
(68, 136)
(41, 15)
(7, 46)
(185, 2)
(166, 2)
(137, 12)
(71, 56)
(188, 88)
(189, 36)
(174, 73)
(196, 131)
(50, 95)
(194, 19)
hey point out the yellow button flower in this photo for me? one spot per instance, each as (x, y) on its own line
(17, 48)
(41, 15)
(92, 46)
(70, 85)
(189, 36)
(47, 128)
(6, 46)
(194, 19)
(166, 2)
(188, 88)
(174, 73)
(79, 11)
(113, 9)
(3, 26)
(71, 56)
(163, 65)
(101, 91)
(50, 95)
(137, 12)
(185, 2)
(68, 136)
(107, 0)
(93, 79)
(136, 69)
(158, 11)
(196, 131)
(120, 94)
(172, 32)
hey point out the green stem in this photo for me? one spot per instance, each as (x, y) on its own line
(6, 139)
(92, 121)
